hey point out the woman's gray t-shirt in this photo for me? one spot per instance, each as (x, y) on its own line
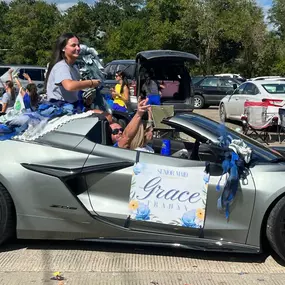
(151, 88)
(7, 99)
(61, 71)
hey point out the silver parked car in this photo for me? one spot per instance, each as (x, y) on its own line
(37, 74)
(73, 184)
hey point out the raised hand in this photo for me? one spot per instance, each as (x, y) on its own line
(26, 76)
(142, 107)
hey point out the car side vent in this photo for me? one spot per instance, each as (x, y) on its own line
(76, 184)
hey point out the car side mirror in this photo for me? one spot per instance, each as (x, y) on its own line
(235, 86)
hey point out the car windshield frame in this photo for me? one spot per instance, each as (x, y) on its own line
(260, 152)
(273, 85)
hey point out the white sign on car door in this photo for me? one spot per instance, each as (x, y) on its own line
(168, 195)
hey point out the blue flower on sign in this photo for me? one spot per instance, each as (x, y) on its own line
(143, 212)
(188, 219)
(138, 168)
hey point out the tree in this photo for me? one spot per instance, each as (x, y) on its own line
(4, 8)
(79, 19)
(276, 17)
(31, 30)
(126, 40)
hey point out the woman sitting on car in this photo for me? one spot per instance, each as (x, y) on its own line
(63, 82)
(121, 93)
(8, 98)
(29, 99)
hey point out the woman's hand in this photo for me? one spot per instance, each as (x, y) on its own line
(114, 94)
(142, 107)
(95, 82)
(26, 76)
(10, 70)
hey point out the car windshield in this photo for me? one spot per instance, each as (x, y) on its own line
(196, 79)
(259, 151)
(274, 88)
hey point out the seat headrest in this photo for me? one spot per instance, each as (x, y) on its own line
(106, 133)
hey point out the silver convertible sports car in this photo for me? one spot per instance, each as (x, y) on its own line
(73, 184)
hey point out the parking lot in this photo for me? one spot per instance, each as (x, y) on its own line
(34, 262)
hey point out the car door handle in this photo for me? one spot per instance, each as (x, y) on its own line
(237, 99)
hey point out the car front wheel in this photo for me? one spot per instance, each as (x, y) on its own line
(198, 102)
(223, 114)
(275, 230)
(7, 221)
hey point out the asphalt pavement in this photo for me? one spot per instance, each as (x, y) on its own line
(213, 113)
(35, 262)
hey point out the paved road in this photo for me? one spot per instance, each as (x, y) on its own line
(213, 113)
(33, 262)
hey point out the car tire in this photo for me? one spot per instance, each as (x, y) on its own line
(222, 113)
(7, 220)
(275, 230)
(199, 102)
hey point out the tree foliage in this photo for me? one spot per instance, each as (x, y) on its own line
(227, 35)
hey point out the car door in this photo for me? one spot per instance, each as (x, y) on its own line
(235, 103)
(216, 225)
(211, 90)
(109, 183)
(109, 187)
(110, 191)
(249, 94)
(226, 86)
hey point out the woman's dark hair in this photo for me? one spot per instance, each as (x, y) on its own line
(147, 78)
(58, 53)
(124, 79)
(33, 93)
(10, 85)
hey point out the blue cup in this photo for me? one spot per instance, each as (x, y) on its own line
(165, 149)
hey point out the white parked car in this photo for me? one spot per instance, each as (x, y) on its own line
(265, 78)
(232, 75)
(232, 106)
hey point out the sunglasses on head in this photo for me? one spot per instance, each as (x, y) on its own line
(116, 131)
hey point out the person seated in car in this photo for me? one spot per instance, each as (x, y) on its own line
(121, 93)
(124, 138)
(141, 140)
(144, 135)
(152, 89)
(117, 132)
